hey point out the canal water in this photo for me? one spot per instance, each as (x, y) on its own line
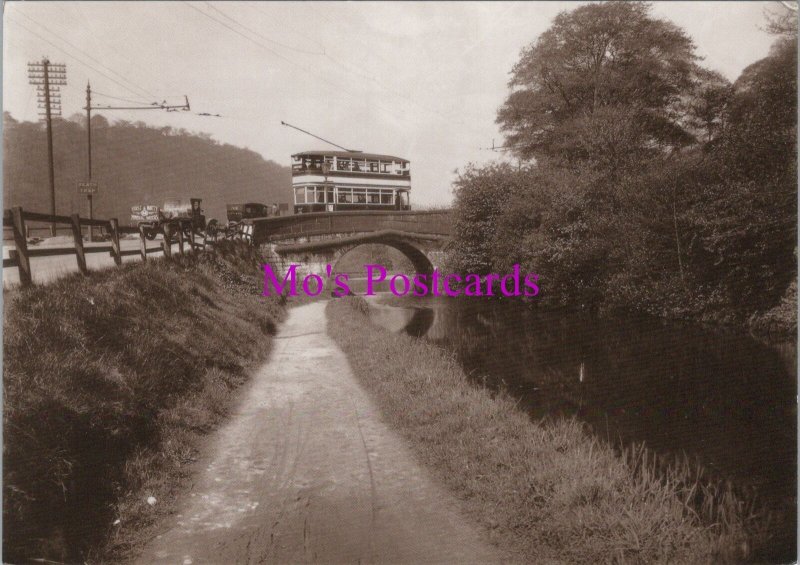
(724, 399)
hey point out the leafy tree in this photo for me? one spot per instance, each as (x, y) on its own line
(658, 185)
(783, 21)
(606, 84)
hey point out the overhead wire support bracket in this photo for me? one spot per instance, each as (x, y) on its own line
(154, 106)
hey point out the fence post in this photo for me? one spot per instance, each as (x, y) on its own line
(191, 241)
(78, 237)
(180, 239)
(23, 261)
(166, 243)
(142, 245)
(114, 225)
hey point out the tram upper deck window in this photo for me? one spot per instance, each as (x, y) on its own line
(343, 164)
(373, 166)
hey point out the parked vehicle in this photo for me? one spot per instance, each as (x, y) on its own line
(239, 212)
(184, 215)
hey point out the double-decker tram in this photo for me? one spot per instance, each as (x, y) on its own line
(349, 180)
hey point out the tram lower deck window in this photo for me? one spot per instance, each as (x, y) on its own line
(300, 195)
(345, 196)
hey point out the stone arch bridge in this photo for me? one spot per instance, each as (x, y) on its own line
(313, 241)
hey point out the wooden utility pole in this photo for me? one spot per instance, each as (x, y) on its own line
(89, 150)
(50, 76)
(90, 187)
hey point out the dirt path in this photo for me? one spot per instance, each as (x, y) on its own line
(305, 471)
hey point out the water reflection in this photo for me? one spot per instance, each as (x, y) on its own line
(721, 397)
(416, 321)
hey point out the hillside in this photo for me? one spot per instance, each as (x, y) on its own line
(133, 163)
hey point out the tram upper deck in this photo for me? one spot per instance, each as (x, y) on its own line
(349, 180)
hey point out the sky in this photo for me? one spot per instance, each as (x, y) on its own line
(421, 80)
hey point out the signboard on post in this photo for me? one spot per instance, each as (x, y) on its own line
(87, 188)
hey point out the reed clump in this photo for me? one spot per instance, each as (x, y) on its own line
(548, 491)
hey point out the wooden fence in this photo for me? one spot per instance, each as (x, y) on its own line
(16, 218)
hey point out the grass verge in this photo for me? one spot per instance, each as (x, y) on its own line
(109, 380)
(548, 491)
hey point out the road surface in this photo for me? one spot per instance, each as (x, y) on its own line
(305, 471)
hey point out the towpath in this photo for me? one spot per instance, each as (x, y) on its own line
(305, 471)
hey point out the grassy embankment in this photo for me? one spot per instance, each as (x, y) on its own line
(548, 491)
(109, 381)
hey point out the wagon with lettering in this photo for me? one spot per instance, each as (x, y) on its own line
(176, 215)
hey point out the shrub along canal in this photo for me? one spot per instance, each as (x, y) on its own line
(713, 397)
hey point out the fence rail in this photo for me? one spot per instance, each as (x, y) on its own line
(16, 218)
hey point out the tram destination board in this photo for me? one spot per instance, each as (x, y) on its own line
(87, 188)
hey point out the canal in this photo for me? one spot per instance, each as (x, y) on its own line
(724, 400)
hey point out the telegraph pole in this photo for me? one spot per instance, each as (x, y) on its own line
(88, 129)
(89, 147)
(39, 74)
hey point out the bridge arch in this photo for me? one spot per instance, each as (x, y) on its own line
(417, 257)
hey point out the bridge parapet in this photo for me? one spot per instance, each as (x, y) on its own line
(429, 222)
(314, 241)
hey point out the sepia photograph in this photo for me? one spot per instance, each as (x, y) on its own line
(399, 282)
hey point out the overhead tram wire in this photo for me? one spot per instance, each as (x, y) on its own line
(316, 75)
(392, 91)
(210, 5)
(70, 55)
(76, 48)
(502, 148)
(255, 6)
(97, 93)
(345, 66)
(110, 47)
